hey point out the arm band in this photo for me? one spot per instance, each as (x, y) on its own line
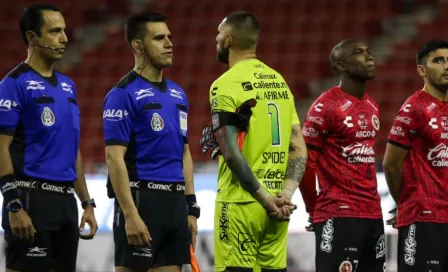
(224, 118)
(8, 188)
(193, 208)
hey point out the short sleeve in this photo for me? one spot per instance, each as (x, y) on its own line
(405, 126)
(317, 124)
(222, 97)
(11, 104)
(117, 118)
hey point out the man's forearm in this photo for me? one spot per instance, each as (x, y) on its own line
(297, 158)
(394, 179)
(80, 185)
(121, 185)
(188, 173)
(6, 167)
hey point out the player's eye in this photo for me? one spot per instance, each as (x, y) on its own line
(439, 60)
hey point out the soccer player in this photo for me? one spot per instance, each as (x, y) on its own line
(40, 162)
(416, 166)
(263, 152)
(148, 156)
(340, 131)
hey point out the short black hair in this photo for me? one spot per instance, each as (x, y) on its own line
(32, 19)
(429, 47)
(135, 26)
(245, 27)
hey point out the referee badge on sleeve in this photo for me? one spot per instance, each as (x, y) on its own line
(47, 117)
(157, 123)
(183, 118)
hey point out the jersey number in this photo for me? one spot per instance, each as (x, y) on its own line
(275, 123)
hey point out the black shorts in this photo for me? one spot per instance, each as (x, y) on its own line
(350, 244)
(53, 210)
(423, 247)
(163, 208)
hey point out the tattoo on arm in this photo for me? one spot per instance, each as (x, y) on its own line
(227, 138)
(297, 158)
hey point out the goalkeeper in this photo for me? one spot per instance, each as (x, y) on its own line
(255, 123)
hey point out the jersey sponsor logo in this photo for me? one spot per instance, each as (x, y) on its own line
(66, 87)
(35, 85)
(157, 123)
(37, 252)
(438, 156)
(346, 105)
(431, 107)
(444, 122)
(142, 252)
(265, 76)
(346, 266)
(270, 174)
(224, 223)
(114, 115)
(327, 236)
(397, 131)
(247, 86)
(406, 107)
(214, 103)
(444, 136)
(6, 105)
(213, 92)
(362, 121)
(269, 85)
(315, 119)
(273, 184)
(375, 122)
(359, 153)
(47, 117)
(274, 157)
(273, 95)
(348, 121)
(410, 246)
(365, 134)
(380, 247)
(144, 93)
(318, 107)
(247, 244)
(403, 119)
(176, 94)
(433, 123)
(310, 132)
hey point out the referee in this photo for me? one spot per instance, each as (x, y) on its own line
(148, 157)
(40, 163)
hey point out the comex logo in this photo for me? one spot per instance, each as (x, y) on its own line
(37, 252)
(66, 87)
(142, 252)
(35, 85)
(144, 93)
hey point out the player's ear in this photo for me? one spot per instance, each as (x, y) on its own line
(137, 46)
(31, 37)
(421, 70)
(340, 67)
(228, 41)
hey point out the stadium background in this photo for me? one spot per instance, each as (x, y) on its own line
(296, 38)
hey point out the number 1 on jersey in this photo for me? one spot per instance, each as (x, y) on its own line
(275, 123)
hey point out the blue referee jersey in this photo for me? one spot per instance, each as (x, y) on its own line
(150, 119)
(42, 115)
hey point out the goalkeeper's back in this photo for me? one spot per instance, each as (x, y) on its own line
(266, 144)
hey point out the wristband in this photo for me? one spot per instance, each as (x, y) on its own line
(192, 206)
(8, 188)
